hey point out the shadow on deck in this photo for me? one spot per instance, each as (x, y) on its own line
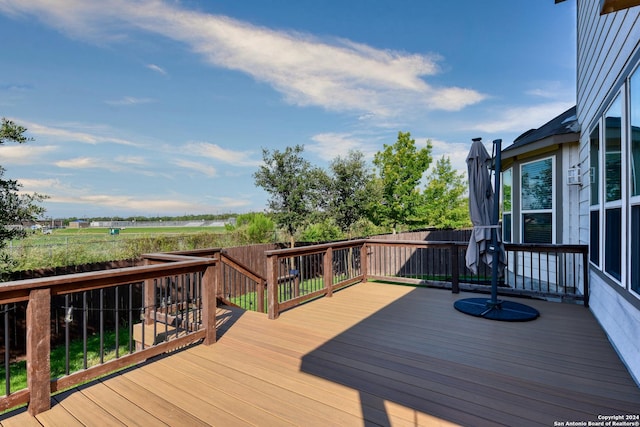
(418, 353)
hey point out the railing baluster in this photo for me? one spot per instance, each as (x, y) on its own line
(7, 351)
(85, 326)
(153, 310)
(101, 326)
(67, 324)
(130, 305)
(185, 309)
(116, 319)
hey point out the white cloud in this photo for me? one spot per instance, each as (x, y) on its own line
(170, 205)
(130, 100)
(521, 119)
(214, 151)
(456, 152)
(70, 132)
(328, 146)
(132, 160)
(81, 163)
(550, 90)
(157, 69)
(23, 154)
(335, 74)
(233, 203)
(203, 168)
(40, 185)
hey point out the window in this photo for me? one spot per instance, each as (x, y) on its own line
(537, 201)
(594, 182)
(612, 246)
(506, 205)
(613, 190)
(594, 159)
(634, 180)
(613, 152)
(635, 248)
(594, 237)
(634, 119)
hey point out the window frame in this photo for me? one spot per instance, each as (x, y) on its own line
(610, 206)
(509, 212)
(595, 178)
(631, 201)
(552, 210)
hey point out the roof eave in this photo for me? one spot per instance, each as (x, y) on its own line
(608, 6)
(541, 145)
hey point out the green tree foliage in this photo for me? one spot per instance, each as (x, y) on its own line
(15, 207)
(320, 232)
(254, 227)
(401, 167)
(349, 193)
(293, 186)
(445, 204)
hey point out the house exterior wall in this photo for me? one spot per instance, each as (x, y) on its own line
(569, 211)
(608, 51)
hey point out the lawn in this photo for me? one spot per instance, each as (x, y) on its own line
(18, 370)
(73, 246)
(62, 235)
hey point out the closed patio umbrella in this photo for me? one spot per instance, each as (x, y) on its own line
(481, 206)
(485, 243)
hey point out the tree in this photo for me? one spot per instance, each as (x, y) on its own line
(323, 231)
(15, 207)
(445, 204)
(292, 184)
(400, 170)
(253, 227)
(349, 193)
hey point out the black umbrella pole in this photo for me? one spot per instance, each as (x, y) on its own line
(494, 221)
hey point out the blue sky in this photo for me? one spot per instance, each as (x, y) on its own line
(163, 107)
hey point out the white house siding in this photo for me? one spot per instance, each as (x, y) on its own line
(570, 197)
(607, 50)
(620, 321)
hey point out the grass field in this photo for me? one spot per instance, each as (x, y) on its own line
(74, 246)
(62, 234)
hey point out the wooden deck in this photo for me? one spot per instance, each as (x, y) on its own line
(372, 354)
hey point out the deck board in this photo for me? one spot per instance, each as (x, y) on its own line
(158, 406)
(373, 354)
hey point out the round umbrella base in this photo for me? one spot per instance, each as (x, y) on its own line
(507, 311)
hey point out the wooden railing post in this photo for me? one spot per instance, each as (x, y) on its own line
(260, 296)
(39, 350)
(149, 302)
(328, 272)
(455, 270)
(364, 261)
(272, 286)
(209, 292)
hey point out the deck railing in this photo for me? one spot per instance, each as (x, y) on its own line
(556, 271)
(138, 312)
(300, 274)
(241, 287)
(175, 307)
